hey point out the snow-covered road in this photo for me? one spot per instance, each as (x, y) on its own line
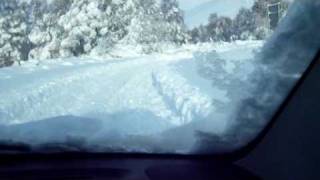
(149, 94)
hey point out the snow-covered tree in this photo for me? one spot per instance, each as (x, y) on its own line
(117, 19)
(81, 25)
(174, 22)
(153, 24)
(244, 24)
(219, 28)
(250, 23)
(46, 33)
(145, 24)
(14, 44)
(65, 28)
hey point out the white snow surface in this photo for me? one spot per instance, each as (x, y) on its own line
(128, 96)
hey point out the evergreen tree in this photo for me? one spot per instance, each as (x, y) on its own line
(250, 23)
(14, 44)
(244, 24)
(174, 22)
(145, 17)
(46, 33)
(152, 25)
(38, 29)
(81, 25)
(219, 28)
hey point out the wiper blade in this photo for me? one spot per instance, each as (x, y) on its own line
(6, 147)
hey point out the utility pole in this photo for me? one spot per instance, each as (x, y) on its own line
(275, 11)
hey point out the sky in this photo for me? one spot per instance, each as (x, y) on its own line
(197, 11)
(190, 4)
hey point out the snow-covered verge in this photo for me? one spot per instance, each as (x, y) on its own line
(122, 104)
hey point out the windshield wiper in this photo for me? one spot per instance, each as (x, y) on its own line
(12, 147)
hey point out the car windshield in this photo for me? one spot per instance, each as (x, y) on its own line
(148, 76)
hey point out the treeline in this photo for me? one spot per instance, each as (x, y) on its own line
(248, 24)
(39, 29)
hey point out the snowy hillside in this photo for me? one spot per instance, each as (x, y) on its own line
(137, 96)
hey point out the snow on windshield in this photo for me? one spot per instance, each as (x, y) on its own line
(131, 76)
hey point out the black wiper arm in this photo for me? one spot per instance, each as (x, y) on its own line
(6, 147)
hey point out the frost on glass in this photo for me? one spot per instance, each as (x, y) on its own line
(148, 75)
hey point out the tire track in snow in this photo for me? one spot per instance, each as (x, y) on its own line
(186, 102)
(66, 93)
(98, 89)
